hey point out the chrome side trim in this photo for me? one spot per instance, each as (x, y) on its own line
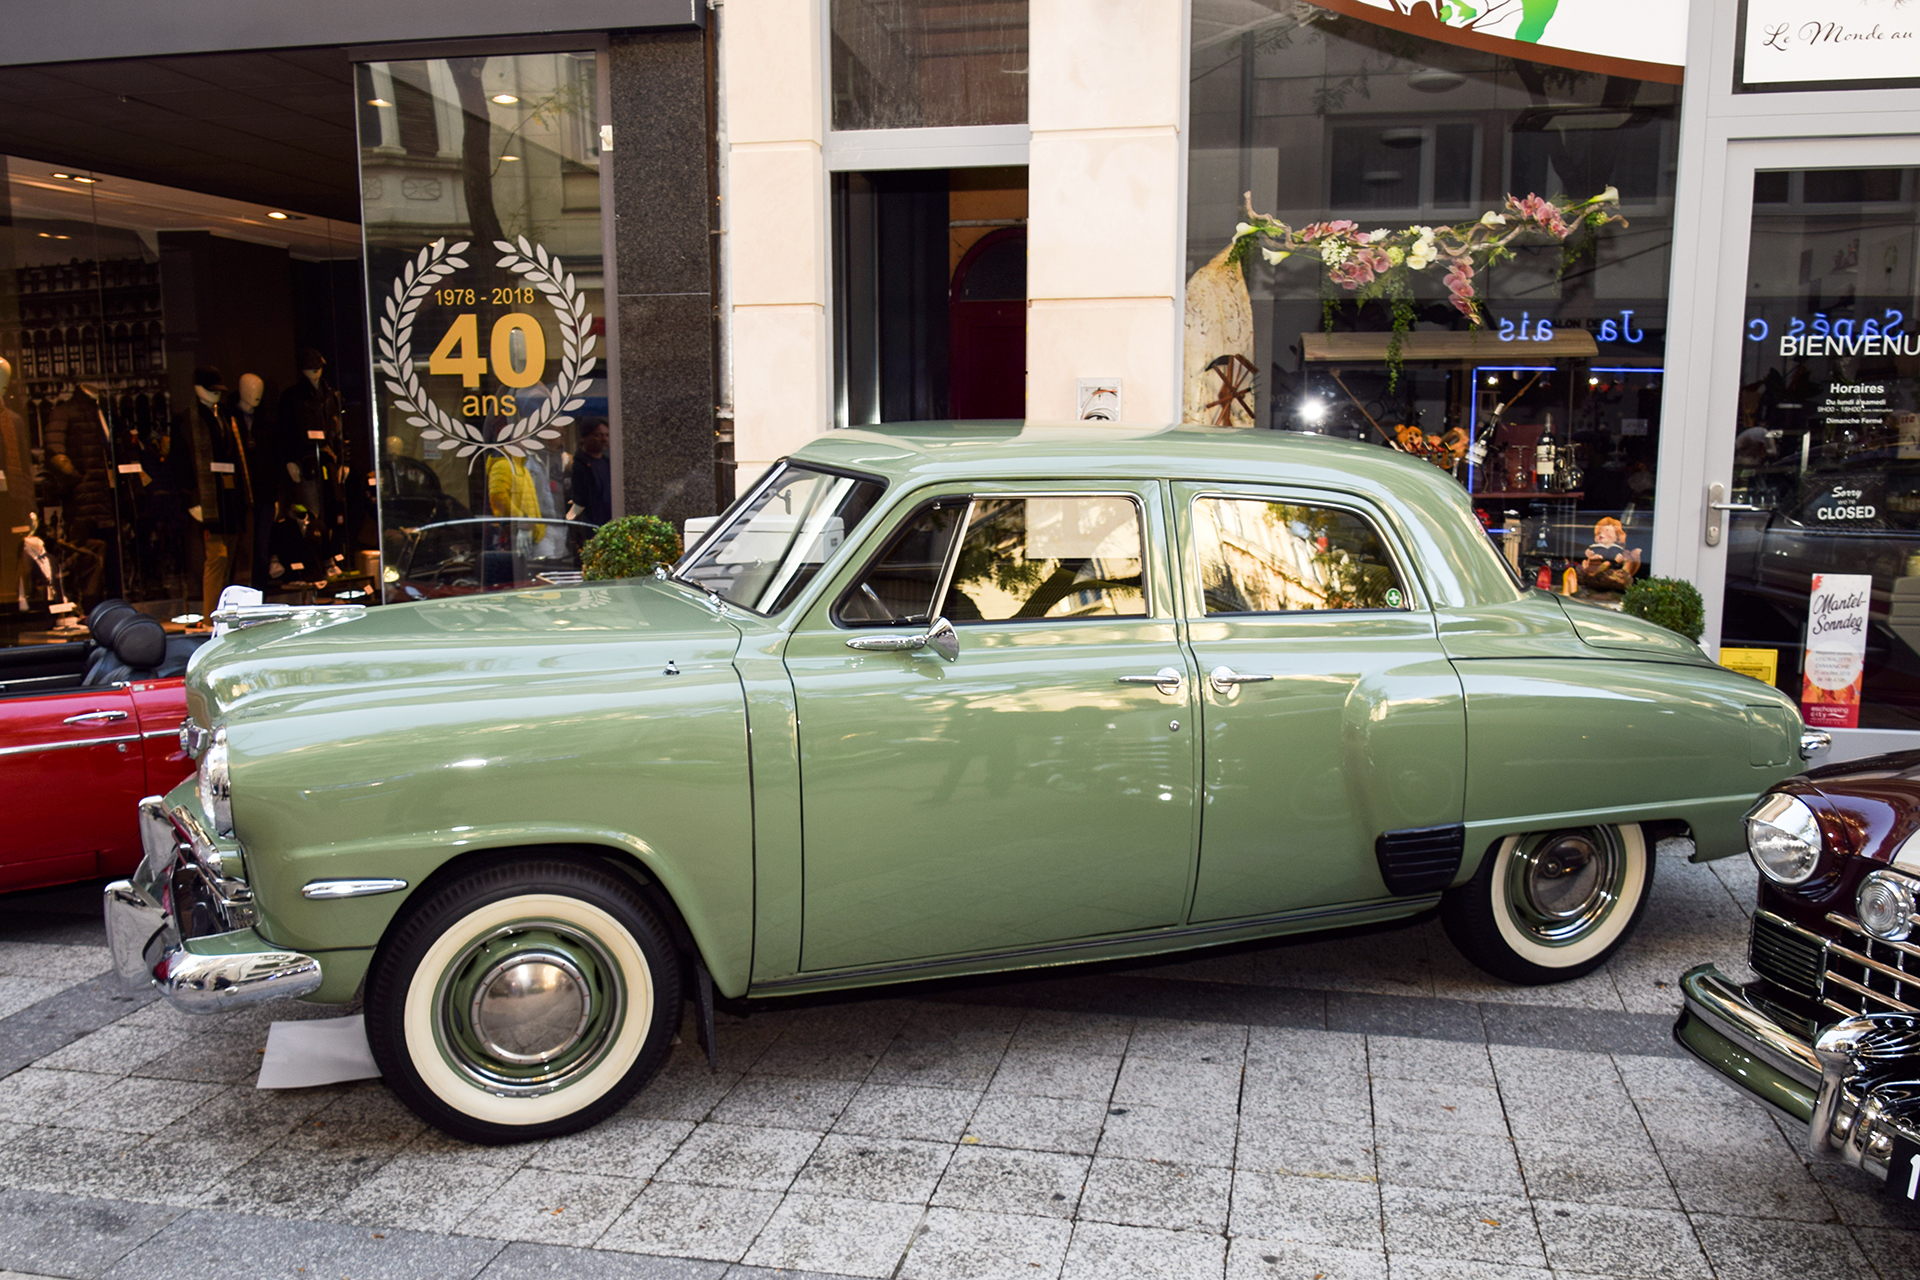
(68, 745)
(197, 983)
(1813, 742)
(325, 890)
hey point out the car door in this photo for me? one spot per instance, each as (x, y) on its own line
(73, 770)
(1329, 714)
(1036, 788)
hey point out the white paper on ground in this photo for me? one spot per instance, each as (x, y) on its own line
(325, 1051)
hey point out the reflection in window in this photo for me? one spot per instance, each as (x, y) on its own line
(1027, 558)
(1279, 557)
(899, 586)
(772, 548)
(916, 64)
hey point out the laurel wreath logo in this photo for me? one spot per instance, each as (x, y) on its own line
(544, 272)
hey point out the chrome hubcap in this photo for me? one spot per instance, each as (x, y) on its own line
(1562, 884)
(531, 1007)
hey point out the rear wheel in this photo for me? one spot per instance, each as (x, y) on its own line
(523, 1001)
(1551, 905)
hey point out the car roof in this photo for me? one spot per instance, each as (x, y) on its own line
(911, 455)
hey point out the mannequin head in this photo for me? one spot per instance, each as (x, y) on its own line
(208, 386)
(252, 390)
(6, 376)
(312, 365)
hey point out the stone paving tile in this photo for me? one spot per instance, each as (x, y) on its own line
(731, 1155)
(17, 994)
(908, 1111)
(62, 1235)
(1449, 1161)
(957, 1060)
(83, 1162)
(1610, 1240)
(1103, 1252)
(220, 1056)
(1345, 1099)
(1756, 1249)
(1214, 1042)
(880, 1169)
(423, 1193)
(1071, 1125)
(786, 1102)
(525, 1261)
(1181, 1086)
(1161, 1133)
(201, 1244)
(692, 1222)
(1287, 1051)
(1467, 1225)
(1073, 1033)
(1055, 1073)
(135, 1106)
(35, 1094)
(954, 1243)
(116, 1048)
(1306, 1210)
(683, 1093)
(1305, 1145)
(1627, 1174)
(836, 1234)
(1250, 1258)
(1144, 1193)
(1407, 1266)
(625, 1146)
(550, 1207)
(283, 1182)
(1438, 1108)
(1452, 1062)
(993, 1180)
(58, 963)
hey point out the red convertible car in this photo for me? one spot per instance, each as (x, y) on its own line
(86, 730)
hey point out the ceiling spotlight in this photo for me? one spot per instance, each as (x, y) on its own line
(277, 216)
(378, 102)
(64, 177)
(505, 99)
(1434, 80)
(81, 177)
(1403, 137)
(509, 158)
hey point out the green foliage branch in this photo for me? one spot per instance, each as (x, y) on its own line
(1669, 602)
(629, 547)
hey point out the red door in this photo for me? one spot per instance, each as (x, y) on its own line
(72, 769)
(987, 319)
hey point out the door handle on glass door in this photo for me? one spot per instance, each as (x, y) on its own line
(1226, 681)
(1166, 680)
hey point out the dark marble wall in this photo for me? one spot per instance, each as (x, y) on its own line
(662, 206)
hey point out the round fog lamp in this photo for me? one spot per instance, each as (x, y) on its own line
(1885, 904)
(1783, 839)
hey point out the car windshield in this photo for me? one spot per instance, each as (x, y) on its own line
(765, 551)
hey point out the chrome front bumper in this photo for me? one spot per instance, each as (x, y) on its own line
(180, 925)
(1857, 1088)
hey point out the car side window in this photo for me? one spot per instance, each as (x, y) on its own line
(898, 587)
(1074, 556)
(1261, 556)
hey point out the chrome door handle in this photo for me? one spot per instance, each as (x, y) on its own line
(96, 717)
(1166, 680)
(1226, 681)
(1716, 503)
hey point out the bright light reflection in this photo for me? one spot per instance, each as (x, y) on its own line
(469, 764)
(1313, 410)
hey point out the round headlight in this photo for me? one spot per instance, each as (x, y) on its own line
(216, 791)
(1885, 903)
(1783, 838)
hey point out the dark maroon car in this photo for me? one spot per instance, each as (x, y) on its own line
(1830, 1034)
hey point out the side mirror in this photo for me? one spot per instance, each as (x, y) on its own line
(939, 637)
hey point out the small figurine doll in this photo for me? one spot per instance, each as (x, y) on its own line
(1609, 564)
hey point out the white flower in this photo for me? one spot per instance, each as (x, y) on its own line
(1420, 257)
(1610, 196)
(1381, 234)
(1242, 229)
(1492, 219)
(1275, 256)
(1335, 252)
(1425, 233)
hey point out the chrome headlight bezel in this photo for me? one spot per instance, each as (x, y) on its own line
(1885, 906)
(1784, 839)
(214, 785)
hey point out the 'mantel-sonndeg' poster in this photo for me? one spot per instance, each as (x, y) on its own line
(1836, 650)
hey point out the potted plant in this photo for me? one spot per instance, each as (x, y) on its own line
(1673, 604)
(629, 548)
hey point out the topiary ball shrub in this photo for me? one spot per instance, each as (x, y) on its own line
(628, 548)
(1669, 602)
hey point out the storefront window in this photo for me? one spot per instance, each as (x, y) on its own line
(1550, 414)
(480, 184)
(1823, 573)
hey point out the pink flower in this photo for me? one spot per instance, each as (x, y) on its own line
(1360, 268)
(1321, 230)
(1460, 287)
(1542, 213)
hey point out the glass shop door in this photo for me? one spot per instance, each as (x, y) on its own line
(1816, 506)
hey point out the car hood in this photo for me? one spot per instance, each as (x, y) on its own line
(404, 652)
(1870, 806)
(1605, 629)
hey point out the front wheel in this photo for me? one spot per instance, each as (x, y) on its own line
(523, 1001)
(1553, 905)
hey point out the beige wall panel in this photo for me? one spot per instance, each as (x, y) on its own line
(780, 383)
(1125, 338)
(772, 67)
(1104, 214)
(1105, 64)
(777, 236)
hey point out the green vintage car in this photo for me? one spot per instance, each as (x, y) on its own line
(926, 701)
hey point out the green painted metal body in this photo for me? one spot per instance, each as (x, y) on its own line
(825, 817)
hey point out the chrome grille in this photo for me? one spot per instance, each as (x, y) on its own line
(1787, 955)
(1866, 974)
